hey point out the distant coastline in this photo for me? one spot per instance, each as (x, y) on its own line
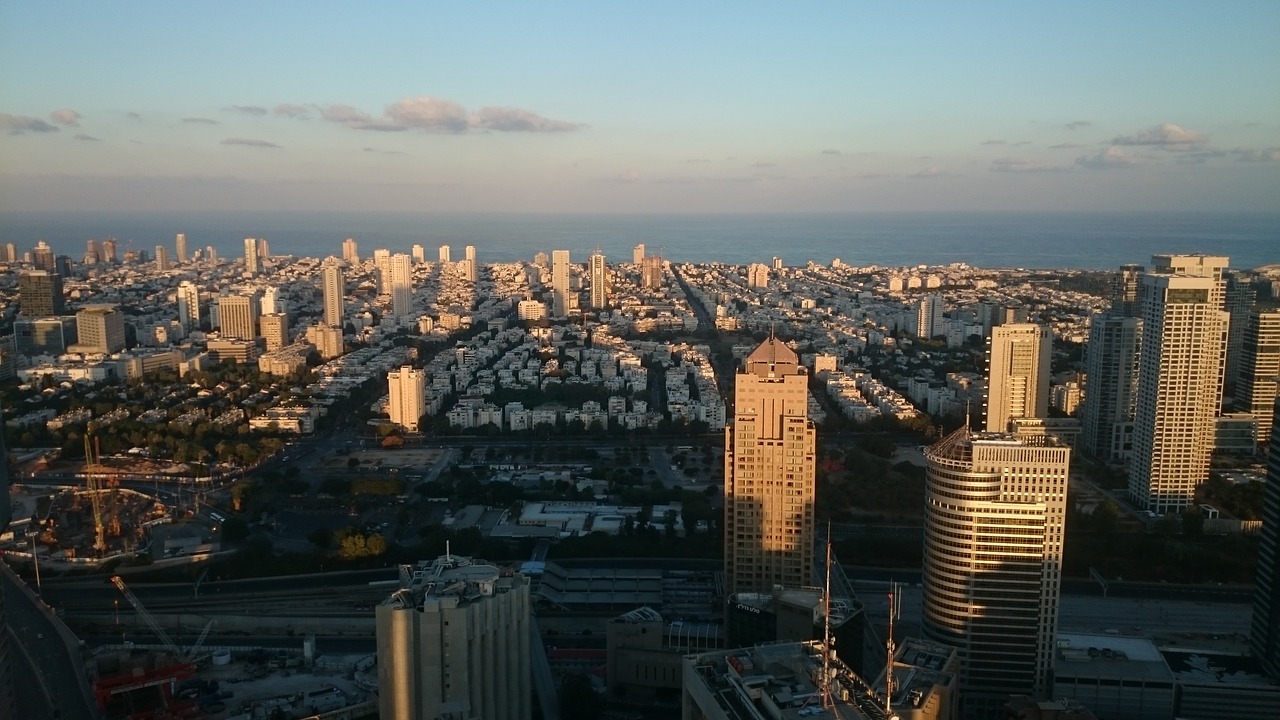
(1088, 240)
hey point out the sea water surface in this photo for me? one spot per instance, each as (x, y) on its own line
(982, 239)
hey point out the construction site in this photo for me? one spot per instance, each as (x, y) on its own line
(168, 681)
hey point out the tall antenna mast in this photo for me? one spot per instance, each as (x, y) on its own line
(827, 701)
(888, 666)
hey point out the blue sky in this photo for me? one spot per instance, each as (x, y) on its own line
(640, 107)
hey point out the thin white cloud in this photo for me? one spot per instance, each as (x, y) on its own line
(1165, 135)
(1078, 124)
(1066, 146)
(65, 116)
(1020, 165)
(929, 173)
(21, 124)
(1108, 158)
(1250, 155)
(761, 164)
(439, 115)
(503, 119)
(199, 121)
(256, 110)
(249, 142)
(292, 110)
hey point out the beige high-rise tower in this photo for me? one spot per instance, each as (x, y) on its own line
(560, 283)
(407, 397)
(453, 642)
(335, 291)
(769, 470)
(1184, 345)
(1018, 359)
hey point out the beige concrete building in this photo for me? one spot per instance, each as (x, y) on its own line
(327, 339)
(408, 397)
(769, 471)
(400, 285)
(274, 329)
(251, 266)
(560, 283)
(995, 512)
(1184, 344)
(1018, 358)
(351, 251)
(189, 305)
(454, 642)
(599, 272)
(100, 329)
(238, 316)
(335, 291)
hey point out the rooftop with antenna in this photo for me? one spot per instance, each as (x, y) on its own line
(776, 681)
(454, 577)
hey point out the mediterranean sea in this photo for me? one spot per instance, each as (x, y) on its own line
(981, 239)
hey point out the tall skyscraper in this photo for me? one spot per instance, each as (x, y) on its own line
(400, 268)
(1111, 386)
(445, 254)
(180, 245)
(163, 263)
(1124, 294)
(453, 642)
(250, 256)
(651, 271)
(599, 280)
(995, 510)
(188, 305)
(382, 266)
(419, 254)
(238, 316)
(637, 254)
(560, 283)
(758, 276)
(40, 294)
(335, 291)
(91, 254)
(212, 253)
(1213, 267)
(11, 253)
(769, 470)
(1179, 388)
(930, 320)
(1018, 357)
(1265, 635)
(407, 397)
(1238, 301)
(109, 250)
(264, 249)
(42, 257)
(1256, 386)
(471, 263)
(351, 251)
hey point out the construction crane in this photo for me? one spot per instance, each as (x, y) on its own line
(170, 645)
(91, 482)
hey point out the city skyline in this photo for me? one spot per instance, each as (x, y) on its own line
(818, 108)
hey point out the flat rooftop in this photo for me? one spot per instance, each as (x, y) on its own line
(1086, 655)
